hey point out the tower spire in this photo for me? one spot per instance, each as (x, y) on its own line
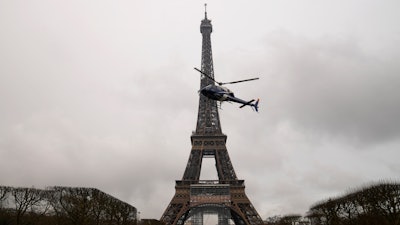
(208, 118)
(205, 10)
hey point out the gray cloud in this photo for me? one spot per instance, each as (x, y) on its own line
(334, 87)
(105, 95)
(329, 86)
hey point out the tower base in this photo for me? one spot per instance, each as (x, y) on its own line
(192, 200)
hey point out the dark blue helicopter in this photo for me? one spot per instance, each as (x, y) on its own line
(220, 93)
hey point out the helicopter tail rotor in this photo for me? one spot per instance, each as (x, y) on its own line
(255, 106)
(250, 103)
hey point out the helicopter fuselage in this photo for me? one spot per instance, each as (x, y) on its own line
(218, 93)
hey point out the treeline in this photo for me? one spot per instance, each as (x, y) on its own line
(63, 206)
(292, 219)
(376, 204)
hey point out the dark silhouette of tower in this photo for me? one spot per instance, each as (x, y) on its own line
(225, 196)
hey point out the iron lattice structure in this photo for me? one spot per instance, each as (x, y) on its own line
(225, 196)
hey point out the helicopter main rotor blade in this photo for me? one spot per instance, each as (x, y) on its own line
(222, 83)
(206, 75)
(234, 82)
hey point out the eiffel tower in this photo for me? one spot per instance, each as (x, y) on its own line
(226, 196)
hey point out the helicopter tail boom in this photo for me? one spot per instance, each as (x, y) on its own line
(247, 103)
(255, 105)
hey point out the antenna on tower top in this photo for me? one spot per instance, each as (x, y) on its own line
(205, 9)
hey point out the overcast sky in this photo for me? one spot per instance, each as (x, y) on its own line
(103, 94)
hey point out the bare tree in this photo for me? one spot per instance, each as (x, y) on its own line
(385, 202)
(24, 199)
(5, 215)
(90, 206)
(4, 191)
(290, 219)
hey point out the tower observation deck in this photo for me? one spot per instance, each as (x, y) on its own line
(226, 196)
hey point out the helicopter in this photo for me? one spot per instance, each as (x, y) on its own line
(221, 93)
